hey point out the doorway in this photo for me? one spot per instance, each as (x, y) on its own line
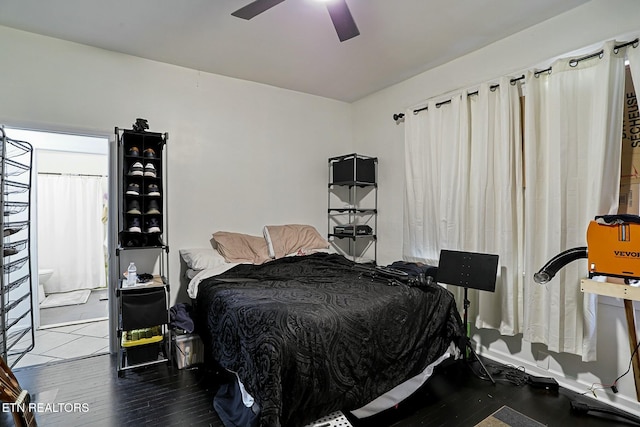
(69, 244)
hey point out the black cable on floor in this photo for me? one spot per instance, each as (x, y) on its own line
(508, 374)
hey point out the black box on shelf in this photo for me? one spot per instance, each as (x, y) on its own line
(351, 229)
(355, 169)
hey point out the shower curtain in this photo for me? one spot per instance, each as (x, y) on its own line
(71, 231)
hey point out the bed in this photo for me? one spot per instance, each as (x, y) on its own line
(311, 334)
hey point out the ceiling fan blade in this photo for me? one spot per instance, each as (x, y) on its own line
(342, 20)
(255, 8)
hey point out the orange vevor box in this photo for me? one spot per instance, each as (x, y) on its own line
(614, 250)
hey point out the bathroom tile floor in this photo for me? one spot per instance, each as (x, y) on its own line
(68, 342)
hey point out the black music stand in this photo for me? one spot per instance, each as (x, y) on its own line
(469, 270)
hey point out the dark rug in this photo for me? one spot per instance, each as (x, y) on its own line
(506, 416)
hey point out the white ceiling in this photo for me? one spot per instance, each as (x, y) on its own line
(292, 45)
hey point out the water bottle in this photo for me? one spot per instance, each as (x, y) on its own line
(132, 276)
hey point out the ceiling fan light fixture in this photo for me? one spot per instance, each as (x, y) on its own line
(343, 22)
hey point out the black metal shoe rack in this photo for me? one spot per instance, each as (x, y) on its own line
(16, 286)
(141, 190)
(140, 315)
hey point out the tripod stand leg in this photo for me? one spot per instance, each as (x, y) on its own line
(479, 361)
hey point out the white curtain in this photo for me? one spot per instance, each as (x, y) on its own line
(496, 200)
(633, 54)
(464, 191)
(436, 159)
(71, 231)
(572, 161)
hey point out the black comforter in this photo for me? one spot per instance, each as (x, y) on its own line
(311, 335)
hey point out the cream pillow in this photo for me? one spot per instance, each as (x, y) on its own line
(238, 247)
(287, 239)
(201, 258)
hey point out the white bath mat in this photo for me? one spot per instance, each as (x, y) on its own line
(66, 298)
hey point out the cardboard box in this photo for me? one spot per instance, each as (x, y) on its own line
(630, 162)
(629, 202)
(188, 350)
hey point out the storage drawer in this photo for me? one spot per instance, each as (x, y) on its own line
(363, 170)
(143, 308)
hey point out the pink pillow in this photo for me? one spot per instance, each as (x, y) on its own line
(288, 239)
(238, 247)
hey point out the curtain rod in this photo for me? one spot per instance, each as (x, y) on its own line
(572, 63)
(399, 116)
(72, 174)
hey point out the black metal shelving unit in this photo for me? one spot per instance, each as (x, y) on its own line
(16, 285)
(352, 226)
(140, 315)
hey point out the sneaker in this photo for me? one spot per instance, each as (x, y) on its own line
(149, 153)
(153, 208)
(134, 152)
(134, 225)
(153, 190)
(10, 251)
(136, 169)
(149, 170)
(153, 225)
(134, 208)
(133, 189)
(8, 231)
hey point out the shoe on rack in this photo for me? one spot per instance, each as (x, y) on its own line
(134, 207)
(153, 226)
(134, 225)
(153, 190)
(149, 170)
(8, 231)
(153, 208)
(134, 152)
(149, 153)
(136, 169)
(133, 189)
(10, 251)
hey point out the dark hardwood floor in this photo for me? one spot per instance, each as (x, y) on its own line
(164, 396)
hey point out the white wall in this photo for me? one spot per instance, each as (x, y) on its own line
(376, 134)
(240, 155)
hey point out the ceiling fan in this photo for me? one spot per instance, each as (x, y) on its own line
(338, 10)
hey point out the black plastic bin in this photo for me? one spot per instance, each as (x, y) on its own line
(143, 353)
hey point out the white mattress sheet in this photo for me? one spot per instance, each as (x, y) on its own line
(406, 389)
